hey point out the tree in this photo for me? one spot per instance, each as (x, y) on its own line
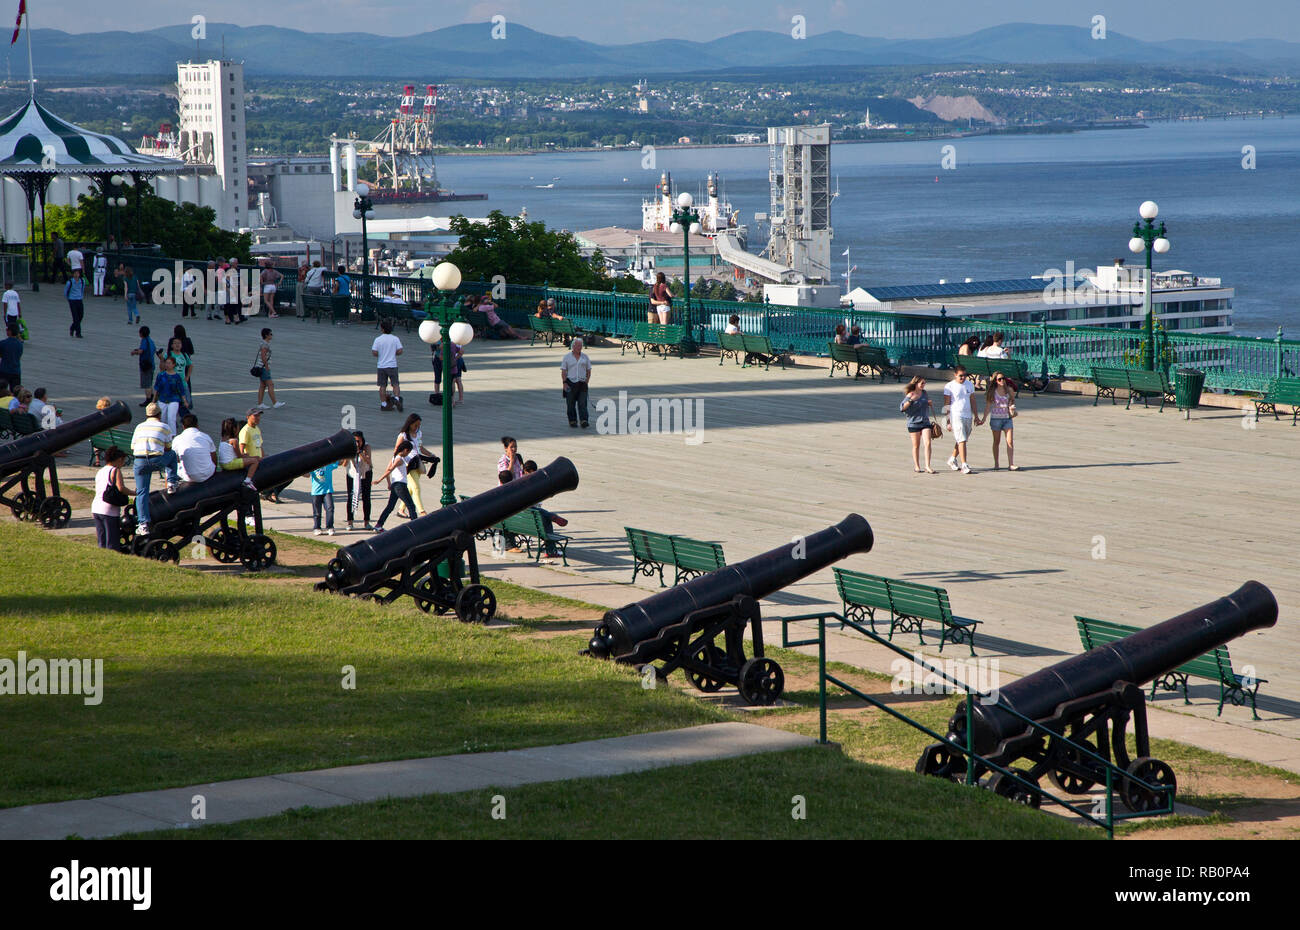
(524, 253)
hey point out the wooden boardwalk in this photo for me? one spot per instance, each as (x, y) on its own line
(1183, 512)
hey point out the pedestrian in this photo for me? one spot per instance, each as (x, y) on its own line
(342, 283)
(101, 272)
(575, 372)
(228, 454)
(169, 392)
(13, 305)
(196, 453)
(661, 301)
(57, 250)
(250, 448)
(76, 261)
(151, 447)
(1000, 406)
(322, 497)
(11, 354)
(187, 346)
(396, 473)
(385, 349)
(75, 292)
(148, 353)
(458, 354)
(131, 289)
(233, 304)
(184, 362)
(963, 415)
(916, 405)
(262, 364)
(211, 286)
(314, 281)
(510, 460)
(270, 280)
(413, 434)
(108, 516)
(359, 473)
(190, 296)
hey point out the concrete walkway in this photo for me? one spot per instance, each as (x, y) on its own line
(247, 798)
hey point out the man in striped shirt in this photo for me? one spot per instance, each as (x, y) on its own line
(151, 445)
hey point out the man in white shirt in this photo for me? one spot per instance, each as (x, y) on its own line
(575, 371)
(386, 348)
(46, 414)
(315, 279)
(77, 260)
(13, 303)
(196, 451)
(963, 415)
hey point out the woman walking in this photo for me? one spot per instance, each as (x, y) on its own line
(108, 517)
(412, 433)
(396, 473)
(1001, 403)
(359, 473)
(916, 406)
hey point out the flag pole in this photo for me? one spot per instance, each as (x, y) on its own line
(31, 72)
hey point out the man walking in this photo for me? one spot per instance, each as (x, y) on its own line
(76, 261)
(575, 371)
(11, 355)
(60, 268)
(75, 292)
(386, 348)
(151, 445)
(959, 396)
(13, 305)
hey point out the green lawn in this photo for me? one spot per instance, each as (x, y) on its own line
(216, 677)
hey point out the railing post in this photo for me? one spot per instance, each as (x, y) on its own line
(821, 673)
(943, 334)
(1277, 368)
(1045, 337)
(970, 738)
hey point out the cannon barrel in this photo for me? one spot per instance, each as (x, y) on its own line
(274, 471)
(622, 630)
(1139, 658)
(471, 516)
(49, 441)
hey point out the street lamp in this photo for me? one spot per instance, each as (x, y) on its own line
(363, 209)
(1149, 238)
(115, 199)
(686, 220)
(445, 325)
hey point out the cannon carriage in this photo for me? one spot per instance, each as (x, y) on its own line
(218, 513)
(429, 559)
(1088, 701)
(679, 627)
(28, 463)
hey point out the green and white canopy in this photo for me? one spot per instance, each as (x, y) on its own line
(35, 141)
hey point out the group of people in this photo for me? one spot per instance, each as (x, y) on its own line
(961, 403)
(512, 466)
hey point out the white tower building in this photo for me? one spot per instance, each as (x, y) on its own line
(799, 176)
(211, 130)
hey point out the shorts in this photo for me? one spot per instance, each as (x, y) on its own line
(961, 428)
(1000, 423)
(918, 429)
(266, 374)
(268, 289)
(233, 465)
(387, 376)
(146, 378)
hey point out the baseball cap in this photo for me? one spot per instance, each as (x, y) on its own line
(153, 410)
(253, 410)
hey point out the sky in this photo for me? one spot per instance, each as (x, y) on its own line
(622, 21)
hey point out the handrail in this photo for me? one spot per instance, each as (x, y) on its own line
(1108, 823)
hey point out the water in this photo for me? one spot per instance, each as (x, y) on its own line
(1013, 206)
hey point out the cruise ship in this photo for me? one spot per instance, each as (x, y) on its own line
(716, 214)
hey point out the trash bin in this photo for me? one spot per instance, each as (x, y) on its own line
(1188, 384)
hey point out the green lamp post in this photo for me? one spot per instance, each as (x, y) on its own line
(444, 325)
(686, 220)
(1147, 237)
(364, 209)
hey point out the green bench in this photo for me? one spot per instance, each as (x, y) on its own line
(1281, 391)
(23, 424)
(909, 605)
(6, 426)
(689, 557)
(335, 307)
(527, 527)
(1137, 381)
(753, 349)
(406, 315)
(100, 443)
(551, 329)
(1014, 368)
(1215, 665)
(660, 336)
(864, 356)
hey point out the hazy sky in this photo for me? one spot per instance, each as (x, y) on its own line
(620, 21)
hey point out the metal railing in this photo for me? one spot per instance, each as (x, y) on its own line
(973, 759)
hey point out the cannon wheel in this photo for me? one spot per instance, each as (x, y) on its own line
(1152, 771)
(710, 655)
(761, 681)
(258, 553)
(1071, 782)
(427, 595)
(1012, 790)
(54, 513)
(24, 505)
(476, 604)
(940, 761)
(162, 550)
(225, 545)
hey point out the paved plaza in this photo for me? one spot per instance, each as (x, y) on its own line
(1127, 515)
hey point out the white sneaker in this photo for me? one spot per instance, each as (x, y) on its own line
(279, 404)
(316, 532)
(965, 469)
(952, 463)
(259, 406)
(350, 527)
(329, 532)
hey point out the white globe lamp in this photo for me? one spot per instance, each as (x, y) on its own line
(430, 331)
(675, 228)
(1148, 210)
(685, 200)
(446, 276)
(461, 333)
(363, 189)
(695, 229)
(1136, 245)
(1161, 245)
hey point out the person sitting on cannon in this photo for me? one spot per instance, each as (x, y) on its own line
(196, 452)
(228, 454)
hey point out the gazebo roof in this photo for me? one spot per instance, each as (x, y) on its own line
(35, 141)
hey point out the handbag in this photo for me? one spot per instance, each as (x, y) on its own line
(113, 496)
(936, 431)
(256, 370)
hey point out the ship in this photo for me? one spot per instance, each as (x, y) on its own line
(716, 213)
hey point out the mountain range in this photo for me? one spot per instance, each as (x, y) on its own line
(469, 51)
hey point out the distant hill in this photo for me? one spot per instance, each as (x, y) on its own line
(469, 51)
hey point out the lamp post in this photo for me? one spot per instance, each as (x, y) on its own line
(114, 199)
(363, 209)
(445, 325)
(686, 220)
(1146, 236)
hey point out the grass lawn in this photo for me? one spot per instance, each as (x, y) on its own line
(210, 677)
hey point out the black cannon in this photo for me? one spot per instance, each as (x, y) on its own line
(1092, 696)
(28, 460)
(679, 627)
(209, 506)
(423, 558)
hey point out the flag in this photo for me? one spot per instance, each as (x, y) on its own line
(18, 23)
(846, 253)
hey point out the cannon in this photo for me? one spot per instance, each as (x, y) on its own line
(208, 507)
(423, 558)
(27, 461)
(1093, 696)
(679, 627)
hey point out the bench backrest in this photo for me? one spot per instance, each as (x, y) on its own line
(540, 324)
(5, 423)
(842, 353)
(1094, 633)
(24, 424)
(1139, 379)
(871, 355)
(696, 555)
(1284, 390)
(919, 600)
(858, 589)
(563, 327)
(651, 546)
(731, 342)
(760, 344)
(525, 523)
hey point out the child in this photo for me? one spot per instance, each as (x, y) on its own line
(403, 456)
(322, 497)
(148, 352)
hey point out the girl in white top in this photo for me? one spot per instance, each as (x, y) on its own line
(412, 433)
(108, 517)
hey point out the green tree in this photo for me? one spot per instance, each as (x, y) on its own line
(523, 253)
